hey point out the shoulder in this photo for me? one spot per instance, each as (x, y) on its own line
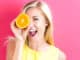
(61, 55)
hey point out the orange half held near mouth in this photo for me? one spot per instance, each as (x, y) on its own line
(22, 21)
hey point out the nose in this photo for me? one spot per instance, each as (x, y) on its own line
(31, 24)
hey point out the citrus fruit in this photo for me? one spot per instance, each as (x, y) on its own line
(22, 21)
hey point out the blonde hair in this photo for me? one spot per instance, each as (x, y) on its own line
(46, 11)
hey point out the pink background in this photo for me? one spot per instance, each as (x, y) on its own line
(66, 24)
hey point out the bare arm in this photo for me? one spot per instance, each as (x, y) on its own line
(14, 50)
(15, 46)
(10, 49)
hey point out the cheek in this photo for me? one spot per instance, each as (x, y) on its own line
(41, 27)
(40, 23)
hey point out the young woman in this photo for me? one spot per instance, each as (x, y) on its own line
(36, 41)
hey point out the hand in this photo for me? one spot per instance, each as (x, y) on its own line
(20, 34)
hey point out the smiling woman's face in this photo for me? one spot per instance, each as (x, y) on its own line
(38, 23)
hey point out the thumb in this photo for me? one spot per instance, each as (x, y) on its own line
(25, 33)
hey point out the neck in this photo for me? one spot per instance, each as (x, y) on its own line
(37, 44)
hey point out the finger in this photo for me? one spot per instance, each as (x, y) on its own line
(13, 24)
(25, 33)
(16, 31)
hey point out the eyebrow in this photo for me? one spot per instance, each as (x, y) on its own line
(35, 16)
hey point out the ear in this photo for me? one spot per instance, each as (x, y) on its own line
(46, 24)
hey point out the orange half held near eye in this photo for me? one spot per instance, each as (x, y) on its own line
(22, 21)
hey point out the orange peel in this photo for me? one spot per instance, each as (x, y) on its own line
(22, 21)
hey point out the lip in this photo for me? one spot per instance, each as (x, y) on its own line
(32, 32)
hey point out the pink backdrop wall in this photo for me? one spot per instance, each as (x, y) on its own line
(66, 23)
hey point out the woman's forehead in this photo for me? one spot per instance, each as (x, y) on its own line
(34, 11)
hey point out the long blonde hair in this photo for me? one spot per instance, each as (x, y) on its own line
(46, 11)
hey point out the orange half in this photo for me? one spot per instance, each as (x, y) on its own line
(22, 21)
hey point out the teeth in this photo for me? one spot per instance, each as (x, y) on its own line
(32, 30)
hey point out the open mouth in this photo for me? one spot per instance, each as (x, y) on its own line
(32, 32)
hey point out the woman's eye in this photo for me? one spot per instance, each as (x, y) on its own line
(36, 19)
